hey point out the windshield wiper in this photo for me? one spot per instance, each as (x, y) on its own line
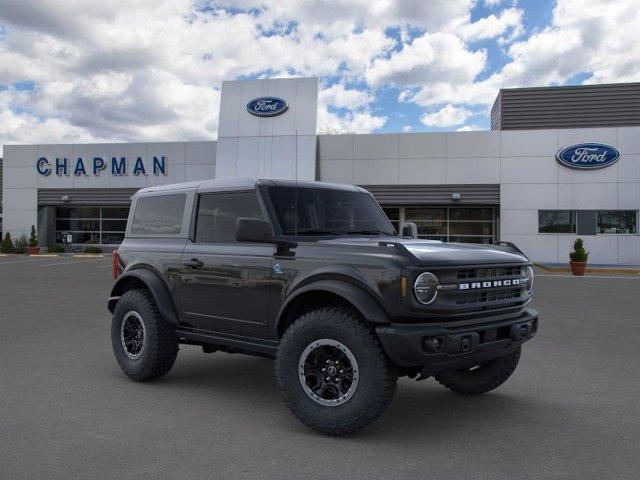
(312, 231)
(367, 232)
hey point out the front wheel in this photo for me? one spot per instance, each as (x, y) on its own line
(480, 378)
(332, 372)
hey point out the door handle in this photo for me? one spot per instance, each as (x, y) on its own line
(194, 263)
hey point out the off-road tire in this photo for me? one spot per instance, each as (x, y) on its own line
(160, 342)
(377, 375)
(483, 379)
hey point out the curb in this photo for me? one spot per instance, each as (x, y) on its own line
(589, 269)
(45, 255)
(88, 255)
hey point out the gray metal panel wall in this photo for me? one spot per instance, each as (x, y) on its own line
(1, 195)
(604, 105)
(435, 194)
(86, 196)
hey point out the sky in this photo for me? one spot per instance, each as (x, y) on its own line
(74, 71)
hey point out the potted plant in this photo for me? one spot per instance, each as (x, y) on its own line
(33, 249)
(20, 245)
(7, 244)
(578, 258)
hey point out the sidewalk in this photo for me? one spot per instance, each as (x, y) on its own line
(592, 269)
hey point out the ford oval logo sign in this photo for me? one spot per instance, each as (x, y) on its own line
(267, 106)
(588, 156)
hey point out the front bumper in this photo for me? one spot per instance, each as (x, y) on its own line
(412, 345)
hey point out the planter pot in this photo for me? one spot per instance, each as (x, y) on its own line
(33, 250)
(578, 268)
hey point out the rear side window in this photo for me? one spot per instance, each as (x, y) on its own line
(159, 215)
(218, 212)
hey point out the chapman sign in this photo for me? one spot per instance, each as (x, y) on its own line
(588, 156)
(118, 166)
(267, 106)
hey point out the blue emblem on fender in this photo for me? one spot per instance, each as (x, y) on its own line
(267, 106)
(277, 269)
(588, 156)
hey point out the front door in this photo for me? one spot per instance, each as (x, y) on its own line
(225, 284)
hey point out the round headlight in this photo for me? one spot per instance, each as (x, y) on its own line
(426, 288)
(529, 274)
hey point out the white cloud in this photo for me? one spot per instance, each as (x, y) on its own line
(407, 128)
(469, 128)
(509, 22)
(447, 116)
(340, 97)
(433, 57)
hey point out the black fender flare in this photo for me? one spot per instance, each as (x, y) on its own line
(155, 285)
(364, 302)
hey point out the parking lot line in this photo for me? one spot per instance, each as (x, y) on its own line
(19, 261)
(72, 262)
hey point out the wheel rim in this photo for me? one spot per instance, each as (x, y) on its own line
(328, 372)
(133, 335)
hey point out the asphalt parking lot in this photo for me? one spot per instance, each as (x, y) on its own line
(572, 409)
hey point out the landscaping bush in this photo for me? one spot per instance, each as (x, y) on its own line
(57, 248)
(33, 238)
(579, 254)
(7, 244)
(20, 245)
(91, 249)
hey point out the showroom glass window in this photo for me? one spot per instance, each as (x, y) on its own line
(91, 225)
(158, 215)
(453, 224)
(218, 212)
(618, 222)
(556, 221)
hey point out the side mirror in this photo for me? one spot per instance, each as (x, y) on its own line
(253, 230)
(409, 229)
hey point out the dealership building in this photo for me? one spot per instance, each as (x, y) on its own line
(559, 162)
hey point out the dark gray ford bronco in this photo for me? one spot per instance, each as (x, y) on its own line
(314, 275)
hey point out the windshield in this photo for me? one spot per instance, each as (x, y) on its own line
(315, 211)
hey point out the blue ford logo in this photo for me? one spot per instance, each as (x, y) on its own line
(267, 106)
(588, 156)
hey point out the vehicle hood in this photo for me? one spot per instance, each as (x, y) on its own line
(432, 252)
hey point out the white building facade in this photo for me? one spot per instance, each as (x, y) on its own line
(461, 186)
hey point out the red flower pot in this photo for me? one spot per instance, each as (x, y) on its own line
(578, 268)
(33, 250)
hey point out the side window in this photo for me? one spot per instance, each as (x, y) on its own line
(159, 215)
(218, 212)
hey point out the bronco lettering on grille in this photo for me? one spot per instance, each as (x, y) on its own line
(489, 284)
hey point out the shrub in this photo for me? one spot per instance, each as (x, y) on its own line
(7, 244)
(20, 245)
(33, 238)
(91, 249)
(579, 254)
(57, 248)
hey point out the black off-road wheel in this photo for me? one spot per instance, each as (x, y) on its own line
(144, 344)
(332, 372)
(480, 378)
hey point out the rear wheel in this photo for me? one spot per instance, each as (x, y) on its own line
(144, 345)
(480, 378)
(332, 372)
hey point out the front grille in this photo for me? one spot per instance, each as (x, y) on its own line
(467, 298)
(489, 272)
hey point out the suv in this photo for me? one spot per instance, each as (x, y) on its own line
(315, 276)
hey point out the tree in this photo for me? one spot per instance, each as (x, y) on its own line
(579, 254)
(33, 237)
(7, 244)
